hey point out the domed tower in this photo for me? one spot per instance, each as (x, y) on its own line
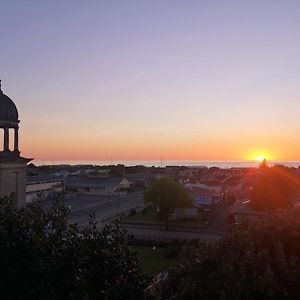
(12, 165)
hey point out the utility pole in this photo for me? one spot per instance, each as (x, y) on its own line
(118, 201)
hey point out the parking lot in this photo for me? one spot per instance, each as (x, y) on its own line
(104, 207)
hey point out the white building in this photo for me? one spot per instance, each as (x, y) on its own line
(12, 165)
(47, 185)
(97, 186)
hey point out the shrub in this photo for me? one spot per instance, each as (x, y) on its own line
(175, 248)
(43, 256)
(132, 212)
(253, 261)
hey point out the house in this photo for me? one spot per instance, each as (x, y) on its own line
(142, 179)
(212, 186)
(61, 173)
(205, 198)
(97, 186)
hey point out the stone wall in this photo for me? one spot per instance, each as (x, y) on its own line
(13, 181)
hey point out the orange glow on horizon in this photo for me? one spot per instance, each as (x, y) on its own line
(129, 145)
(261, 155)
(143, 151)
(260, 158)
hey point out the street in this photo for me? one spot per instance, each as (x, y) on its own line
(104, 207)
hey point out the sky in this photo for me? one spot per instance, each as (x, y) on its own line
(141, 80)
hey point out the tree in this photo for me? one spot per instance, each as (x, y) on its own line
(256, 260)
(263, 165)
(166, 195)
(43, 256)
(276, 187)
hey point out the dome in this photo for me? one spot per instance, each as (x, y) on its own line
(8, 110)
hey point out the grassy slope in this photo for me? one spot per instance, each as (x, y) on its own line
(153, 261)
(151, 218)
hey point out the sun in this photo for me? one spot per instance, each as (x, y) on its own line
(260, 155)
(260, 158)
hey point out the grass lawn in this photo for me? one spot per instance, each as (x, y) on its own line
(199, 222)
(152, 261)
(151, 218)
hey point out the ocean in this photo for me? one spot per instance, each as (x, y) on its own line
(164, 163)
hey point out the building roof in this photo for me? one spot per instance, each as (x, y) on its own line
(8, 109)
(93, 182)
(199, 191)
(40, 178)
(141, 176)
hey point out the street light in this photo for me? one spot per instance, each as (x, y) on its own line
(118, 201)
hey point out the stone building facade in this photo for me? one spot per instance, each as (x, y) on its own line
(12, 165)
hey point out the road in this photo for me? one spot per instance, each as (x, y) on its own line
(214, 230)
(104, 207)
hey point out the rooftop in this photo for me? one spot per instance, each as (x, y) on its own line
(8, 109)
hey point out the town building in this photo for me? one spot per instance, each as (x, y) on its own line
(12, 165)
(206, 199)
(142, 179)
(43, 186)
(97, 186)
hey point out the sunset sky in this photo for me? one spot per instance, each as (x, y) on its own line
(137, 80)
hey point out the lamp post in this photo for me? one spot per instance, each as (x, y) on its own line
(118, 201)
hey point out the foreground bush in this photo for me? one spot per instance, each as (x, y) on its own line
(42, 256)
(253, 261)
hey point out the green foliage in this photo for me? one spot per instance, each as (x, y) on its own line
(43, 256)
(166, 194)
(150, 217)
(175, 248)
(276, 187)
(253, 261)
(153, 260)
(40, 196)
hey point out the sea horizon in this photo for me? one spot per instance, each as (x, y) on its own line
(164, 163)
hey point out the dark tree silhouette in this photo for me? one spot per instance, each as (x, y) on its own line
(252, 261)
(43, 256)
(166, 194)
(263, 165)
(276, 187)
